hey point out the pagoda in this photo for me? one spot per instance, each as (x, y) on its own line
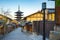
(18, 14)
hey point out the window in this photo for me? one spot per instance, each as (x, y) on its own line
(53, 17)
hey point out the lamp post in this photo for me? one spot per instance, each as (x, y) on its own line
(43, 8)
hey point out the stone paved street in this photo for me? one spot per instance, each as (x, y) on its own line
(18, 35)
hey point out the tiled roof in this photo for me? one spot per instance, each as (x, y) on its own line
(6, 16)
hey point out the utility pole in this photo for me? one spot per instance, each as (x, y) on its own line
(43, 8)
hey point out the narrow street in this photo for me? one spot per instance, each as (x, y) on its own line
(18, 35)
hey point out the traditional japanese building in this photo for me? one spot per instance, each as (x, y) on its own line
(18, 14)
(3, 21)
(5, 18)
(37, 21)
(38, 16)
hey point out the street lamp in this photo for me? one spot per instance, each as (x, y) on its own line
(43, 8)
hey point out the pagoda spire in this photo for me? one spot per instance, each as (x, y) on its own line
(18, 7)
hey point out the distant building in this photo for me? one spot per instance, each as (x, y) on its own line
(18, 14)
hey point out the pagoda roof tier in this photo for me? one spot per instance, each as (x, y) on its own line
(19, 12)
(18, 15)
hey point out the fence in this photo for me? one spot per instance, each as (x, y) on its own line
(37, 27)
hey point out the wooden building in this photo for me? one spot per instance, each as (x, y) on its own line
(38, 16)
(57, 26)
(37, 20)
(58, 15)
(28, 27)
(57, 8)
(5, 18)
(3, 21)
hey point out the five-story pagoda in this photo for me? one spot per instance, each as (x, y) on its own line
(18, 14)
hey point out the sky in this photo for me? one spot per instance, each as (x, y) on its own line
(26, 6)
